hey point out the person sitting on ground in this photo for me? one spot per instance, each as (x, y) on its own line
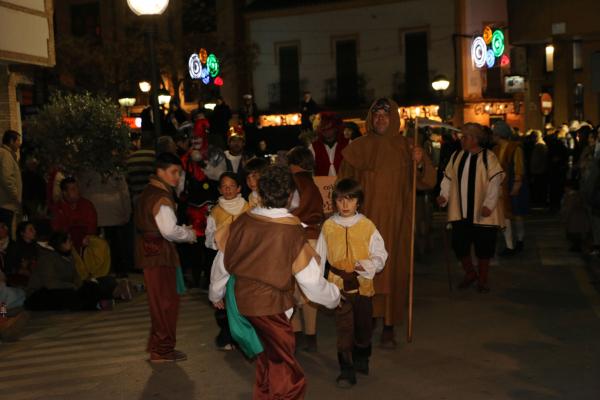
(13, 298)
(254, 168)
(55, 283)
(74, 214)
(231, 206)
(6, 245)
(22, 256)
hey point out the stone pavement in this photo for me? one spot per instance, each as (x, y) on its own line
(535, 336)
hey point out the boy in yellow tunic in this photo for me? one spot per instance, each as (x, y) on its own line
(230, 206)
(356, 252)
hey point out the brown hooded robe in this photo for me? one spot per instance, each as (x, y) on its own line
(382, 164)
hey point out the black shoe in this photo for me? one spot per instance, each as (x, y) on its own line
(507, 252)
(468, 280)
(347, 377)
(483, 288)
(360, 356)
(519, 246)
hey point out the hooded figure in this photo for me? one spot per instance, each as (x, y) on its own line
(381, 161)
(329, 145)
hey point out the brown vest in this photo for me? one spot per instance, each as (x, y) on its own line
(261, 253)
(151, 249)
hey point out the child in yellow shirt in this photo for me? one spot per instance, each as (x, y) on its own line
(356, 252)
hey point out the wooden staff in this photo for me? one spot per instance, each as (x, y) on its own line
(411, 271)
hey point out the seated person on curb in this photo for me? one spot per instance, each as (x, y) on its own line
(355, 249)
(231, 205)
(22, 256)
(73, 214)
(94, 264)
(13, 298)
(265, 250)
(55, 283)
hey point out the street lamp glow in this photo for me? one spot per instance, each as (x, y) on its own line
(145, 86)
(127, 101)
(164, 97)
(440, 83)
(148, 7)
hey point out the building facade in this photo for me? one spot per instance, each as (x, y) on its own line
(347, 53)
(561, 44)
(26, 41)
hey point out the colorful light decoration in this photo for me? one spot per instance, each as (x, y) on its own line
(213, 65)
(205, 76)
(205, 67)
(490, 59)
(498, 43)
(203, 54)
(486, 48)
(478, 52)
(487, 35)
(194, 66)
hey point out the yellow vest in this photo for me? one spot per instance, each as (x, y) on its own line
(223, 218)
(345, 246)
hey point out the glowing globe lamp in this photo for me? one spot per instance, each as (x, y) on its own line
(148, 7)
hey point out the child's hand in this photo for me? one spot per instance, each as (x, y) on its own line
(358, 266)
(219, 305)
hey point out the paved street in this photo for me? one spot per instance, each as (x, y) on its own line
(535, 336)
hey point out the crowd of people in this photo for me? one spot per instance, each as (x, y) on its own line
(205, 206)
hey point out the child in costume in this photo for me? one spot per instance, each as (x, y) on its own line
(307, 205)
(356, 252)
(155, 252)
(230, 206)
(254, 167)
(266, 251)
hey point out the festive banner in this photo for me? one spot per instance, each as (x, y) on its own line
(325, 185)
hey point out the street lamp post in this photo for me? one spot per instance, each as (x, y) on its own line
(126, 100)
(440, 84)
(150, 8)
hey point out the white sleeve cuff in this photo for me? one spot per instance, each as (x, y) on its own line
(316, 288)
(167, 225)
(218, 279)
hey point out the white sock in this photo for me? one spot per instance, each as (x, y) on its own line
(508, 237)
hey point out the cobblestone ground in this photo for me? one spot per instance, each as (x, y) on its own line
(535, 336)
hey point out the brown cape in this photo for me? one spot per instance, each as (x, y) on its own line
(383, 166)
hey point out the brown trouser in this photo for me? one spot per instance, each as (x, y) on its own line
(163, 302)
(354, 322)
(278, 373)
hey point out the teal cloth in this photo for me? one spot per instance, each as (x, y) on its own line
(180, 282)
(241, 329)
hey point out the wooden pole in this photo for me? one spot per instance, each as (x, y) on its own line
(411, 271)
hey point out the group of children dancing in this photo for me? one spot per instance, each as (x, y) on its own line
(286, 259)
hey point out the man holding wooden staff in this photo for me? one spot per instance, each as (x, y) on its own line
(382, 162)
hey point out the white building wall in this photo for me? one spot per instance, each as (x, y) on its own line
(377, 29)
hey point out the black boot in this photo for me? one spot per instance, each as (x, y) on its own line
(360, 356)
(347, 377)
